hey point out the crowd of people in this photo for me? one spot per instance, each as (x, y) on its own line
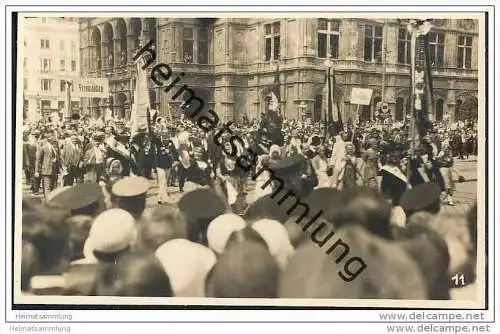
(91, 233)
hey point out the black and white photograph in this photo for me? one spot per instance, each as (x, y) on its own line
(285, 159)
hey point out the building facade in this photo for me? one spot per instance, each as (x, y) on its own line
(50, 57)
(233, 63)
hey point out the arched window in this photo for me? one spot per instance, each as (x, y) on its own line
(400, 105)
(439, 110)
(318, 108)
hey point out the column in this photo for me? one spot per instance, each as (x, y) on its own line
(104, 55)
(130, 47)
(145, 37)
(117, 51)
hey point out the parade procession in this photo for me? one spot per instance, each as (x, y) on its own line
(304, 180)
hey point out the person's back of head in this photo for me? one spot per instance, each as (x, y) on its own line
(163, 223)
(367, 208)
(376, 269)
(29, 264)
(48, 232)
(246, 269)
(133, 275)
(430, 252)
(79, 228)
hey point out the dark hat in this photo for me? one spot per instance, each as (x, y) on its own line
(422, 197)
(131, 186)
(315, 141)
(288, 165)
(266, 207)
(199, 208)
(329, 200)
(76, 197)
(201, 203)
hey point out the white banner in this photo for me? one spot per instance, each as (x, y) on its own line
(361, 96)
(91, 87)
(141, 98)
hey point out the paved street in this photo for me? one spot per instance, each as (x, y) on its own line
(464, 197)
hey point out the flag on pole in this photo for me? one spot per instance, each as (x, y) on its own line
(275, 94)
(423, 85)
(333, 117)
(141, 97)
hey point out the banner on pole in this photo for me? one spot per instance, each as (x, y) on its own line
(91, 87)
(361, 96)
(141, 98)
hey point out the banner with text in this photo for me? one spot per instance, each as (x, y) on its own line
(361, 96)
(91, 87)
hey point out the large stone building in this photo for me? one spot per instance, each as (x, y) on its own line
(232, 63)
(50, 57)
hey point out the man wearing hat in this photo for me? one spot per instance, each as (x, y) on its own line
(95, 158)
(33, 142)
(143, 149)
(29, 156)
(70, 159)
(48, 162)
(130, 194)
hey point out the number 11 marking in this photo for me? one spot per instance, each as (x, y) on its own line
(456, 279)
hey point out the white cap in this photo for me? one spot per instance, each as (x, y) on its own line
(277, 239)
(112, 231)
(187, 264)
(220, 229)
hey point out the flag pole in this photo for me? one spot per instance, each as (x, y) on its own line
(412, 99)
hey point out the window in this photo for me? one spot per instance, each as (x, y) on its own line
(62, 65)
(188, 45)
(73, 46)
(328, 38)
(44, 44)
(61, 46)
(464, 55)
(436, 48)
(203, 45)
(46, 84)
(25, 83)
(400, 105)
(60, 105)
(62, 86)
(75, 104)
(73, 65)
(24, 42)
(25, 62)
(404, 46)
(45, 104)
(45, 65)
(373, 43)
(272, 41)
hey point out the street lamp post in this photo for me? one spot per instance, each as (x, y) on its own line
(69, 84)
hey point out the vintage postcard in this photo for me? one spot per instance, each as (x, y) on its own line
(285, 159)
